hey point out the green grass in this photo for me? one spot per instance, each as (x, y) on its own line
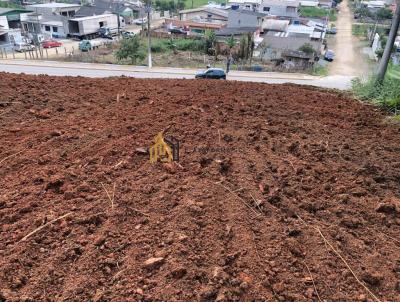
(317, 12)
(320, 70)
(360, 30)
(10, 5)
(198, 3)
(394, 72)
(385, 94)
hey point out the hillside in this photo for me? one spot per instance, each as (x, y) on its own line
(281, 193)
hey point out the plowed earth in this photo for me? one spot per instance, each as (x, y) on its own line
(276, 188)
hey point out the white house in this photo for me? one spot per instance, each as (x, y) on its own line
(280, 8)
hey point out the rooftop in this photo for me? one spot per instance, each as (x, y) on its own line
(248, 12)
(211, 10)
(294, 3)
(91, 17)
(53, 5)
(244, 1)
(228, 31)
(16, 10)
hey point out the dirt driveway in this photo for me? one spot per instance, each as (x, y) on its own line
(349, 59)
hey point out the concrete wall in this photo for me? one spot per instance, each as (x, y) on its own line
(274, 46)
(54, 31)
(279, 10)
(240, 19)
(4, 22)
(201, 14)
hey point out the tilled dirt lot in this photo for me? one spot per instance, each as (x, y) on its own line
(282, 193)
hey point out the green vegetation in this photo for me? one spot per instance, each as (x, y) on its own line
(171, 5)
(307, 48)
(317, 12)
(385, 94)
(165, 45)
(319, 70)
(360, 30)
(210, 42)
(384, 13)
(131, 49)
(198, 3)
(10, 5)
(181, 4)
(394, 72)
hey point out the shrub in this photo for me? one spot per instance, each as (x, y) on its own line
(189, 45)
(385, 94)
(159, 45)
(307, 48)
(130, 49)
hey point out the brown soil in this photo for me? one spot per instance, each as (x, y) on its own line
(221, 225)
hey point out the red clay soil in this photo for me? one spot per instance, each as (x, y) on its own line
(282, 193)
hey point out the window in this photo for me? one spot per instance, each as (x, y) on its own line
(290, 9)
(55, 29)
(47, 28)
(266, 9)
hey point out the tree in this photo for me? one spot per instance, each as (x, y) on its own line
(250, 46)
(230, 42)
(364, 12)
(211, 40)
(171, 44)
(130, 49)
(307, 48)
(384, 13)
(243, 47)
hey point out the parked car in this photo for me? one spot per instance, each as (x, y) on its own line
(51, 44)
(86, 45)
(127, 34)
(22, 47)
(177, 30)
(108, 32)
(211, 73)
(332, 31)
(329, 55)
(140, 21)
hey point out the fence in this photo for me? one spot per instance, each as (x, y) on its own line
(38, 53)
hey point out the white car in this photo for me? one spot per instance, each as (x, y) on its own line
(22, 47)
(140, 21)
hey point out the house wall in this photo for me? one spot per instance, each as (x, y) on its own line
(279, 10)
(201, 14)
(7, 41)
(239, 19)
(4, 22)
(54, 31)
(274, 46)
(253, 6)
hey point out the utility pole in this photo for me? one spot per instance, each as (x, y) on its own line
(148, 8)
(389, 45)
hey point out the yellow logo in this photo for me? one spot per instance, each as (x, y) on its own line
(164, 150)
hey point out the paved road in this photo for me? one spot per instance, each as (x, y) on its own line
(106, 70)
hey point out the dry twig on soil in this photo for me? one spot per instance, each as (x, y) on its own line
(111, 199)
(312, 279)
(240, 198)
(343, 260)
(45, 225)
(12, 155)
